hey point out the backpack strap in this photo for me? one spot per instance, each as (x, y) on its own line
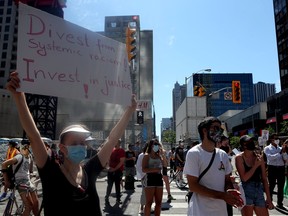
(208, 167)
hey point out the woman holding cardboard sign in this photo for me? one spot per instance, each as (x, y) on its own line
(68, 186)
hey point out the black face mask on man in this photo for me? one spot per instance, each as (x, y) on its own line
(250, 146)
(215, 135)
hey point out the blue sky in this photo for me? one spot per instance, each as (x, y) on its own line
(227, 36)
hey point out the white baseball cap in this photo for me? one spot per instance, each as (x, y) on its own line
(75, 128)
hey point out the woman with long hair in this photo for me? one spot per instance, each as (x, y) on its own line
(251, 168)
(152, 165)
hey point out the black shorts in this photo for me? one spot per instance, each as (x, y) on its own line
(164, 171)
(179, 164)
(153, 180)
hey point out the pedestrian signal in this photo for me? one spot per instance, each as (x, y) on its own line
(140, 117)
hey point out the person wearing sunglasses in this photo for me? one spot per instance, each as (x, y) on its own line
(215, 188)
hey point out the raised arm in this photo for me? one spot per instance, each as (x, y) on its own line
(116, 133)
(27, 122)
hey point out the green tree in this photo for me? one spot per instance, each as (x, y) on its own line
(169, 136)
(235, 142)
(270, 129)
(284, 128)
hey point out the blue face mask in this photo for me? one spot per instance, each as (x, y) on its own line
(77, 153)
(155, 148)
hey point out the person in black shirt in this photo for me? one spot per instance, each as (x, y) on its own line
(180, 159)
(69, 186)
(130, 159)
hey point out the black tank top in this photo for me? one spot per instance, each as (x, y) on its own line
(256, 177)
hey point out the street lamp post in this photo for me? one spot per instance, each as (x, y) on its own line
(187, 114)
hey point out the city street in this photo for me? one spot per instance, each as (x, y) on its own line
(178, 207)
(131, 202)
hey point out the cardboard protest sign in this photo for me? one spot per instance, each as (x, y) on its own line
(58, 58)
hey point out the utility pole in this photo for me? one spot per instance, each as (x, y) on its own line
(131, 48)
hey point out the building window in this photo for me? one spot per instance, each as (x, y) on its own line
(133, 24)
(6, 37)
(5, 46)
(113, 24)
(7, 28)
(4, 55)
(2, 73)
(3, 64)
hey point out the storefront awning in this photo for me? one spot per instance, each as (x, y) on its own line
(285, 116)
(271, 120)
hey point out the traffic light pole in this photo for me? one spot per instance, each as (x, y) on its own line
(187, 113)
(133, 80)
(131, 54)
(215, 92)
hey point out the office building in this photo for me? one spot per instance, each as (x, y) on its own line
(281, 22)
(262, 91)
(219, 93)
(99, 117)
(178, 96)
(142, 74)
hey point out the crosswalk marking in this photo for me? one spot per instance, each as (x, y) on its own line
(180, 206)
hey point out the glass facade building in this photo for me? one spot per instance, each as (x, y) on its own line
(219, 92)
(281, 28)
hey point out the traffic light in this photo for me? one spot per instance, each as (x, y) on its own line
(202, 92)
(196, 90)
(199, 91)
(140, 117)
(130, 43)
(236, 91)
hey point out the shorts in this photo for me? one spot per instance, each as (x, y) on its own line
(153, 180)
(164, 171)
(254, 193)
(179, 164)
(26, 186)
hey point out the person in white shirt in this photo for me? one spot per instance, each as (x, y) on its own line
(214, 190)
(276, 157)
(141, 175)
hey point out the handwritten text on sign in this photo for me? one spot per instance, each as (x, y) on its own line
(58, 58)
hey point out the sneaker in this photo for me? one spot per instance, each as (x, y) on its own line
(170, 197)
(3, 195)
(281, 207)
